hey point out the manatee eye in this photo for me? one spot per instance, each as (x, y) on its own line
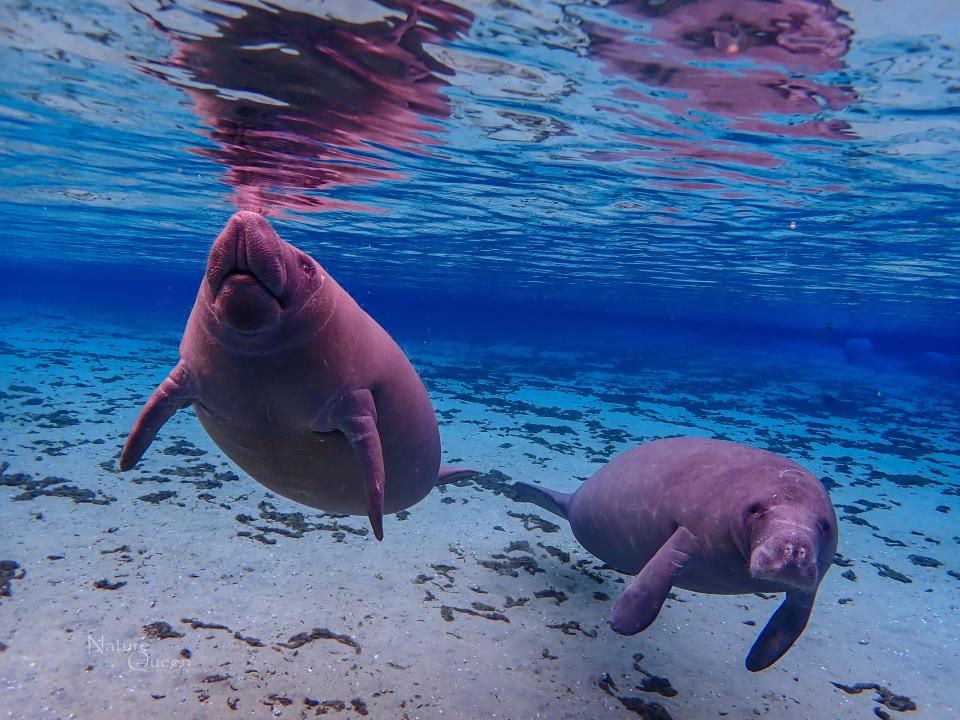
(755, 509)
(823, 526)
(305, 264)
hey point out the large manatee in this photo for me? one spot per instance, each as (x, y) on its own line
(297, 384)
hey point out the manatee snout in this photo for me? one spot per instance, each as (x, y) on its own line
(789, 559)
(248, 246)
(246, 273)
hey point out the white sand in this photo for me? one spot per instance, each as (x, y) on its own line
(185, 559)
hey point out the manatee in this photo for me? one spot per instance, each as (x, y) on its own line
(297, 384)
(705, 515)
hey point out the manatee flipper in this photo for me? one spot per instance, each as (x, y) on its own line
(449, 474)
(781, 631)
(638, 605)
(550, 500)
(174, 393)
(356, 418)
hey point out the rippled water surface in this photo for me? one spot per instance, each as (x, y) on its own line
(755, 158)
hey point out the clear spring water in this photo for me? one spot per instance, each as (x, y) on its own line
(589, 225)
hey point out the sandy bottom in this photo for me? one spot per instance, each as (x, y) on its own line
(185, 589)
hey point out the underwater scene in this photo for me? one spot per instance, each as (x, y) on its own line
(508, 359)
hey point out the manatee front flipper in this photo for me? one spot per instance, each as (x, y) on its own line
(550, 500)
(638, 605)
(172, 394)
(450, 474)
(781, 632)
(356, 418)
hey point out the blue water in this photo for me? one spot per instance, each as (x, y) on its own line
(571, 154)
(588, 224)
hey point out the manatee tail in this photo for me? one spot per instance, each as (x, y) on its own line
(550, 500)
(450, 474)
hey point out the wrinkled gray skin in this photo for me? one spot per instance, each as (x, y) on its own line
(709, 516)
(297, 384)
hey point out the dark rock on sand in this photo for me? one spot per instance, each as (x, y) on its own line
(9, 570)
(646, 710)
(653, 683)
(558, 595)
(446, 612)
(504, 565)
(158, 497)
(160, 631)
(200, 625)
(107, 585)
(301, 639)
(925, 561)
(885, 696)
(572, 627)
(531, 521)
(888, 572)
